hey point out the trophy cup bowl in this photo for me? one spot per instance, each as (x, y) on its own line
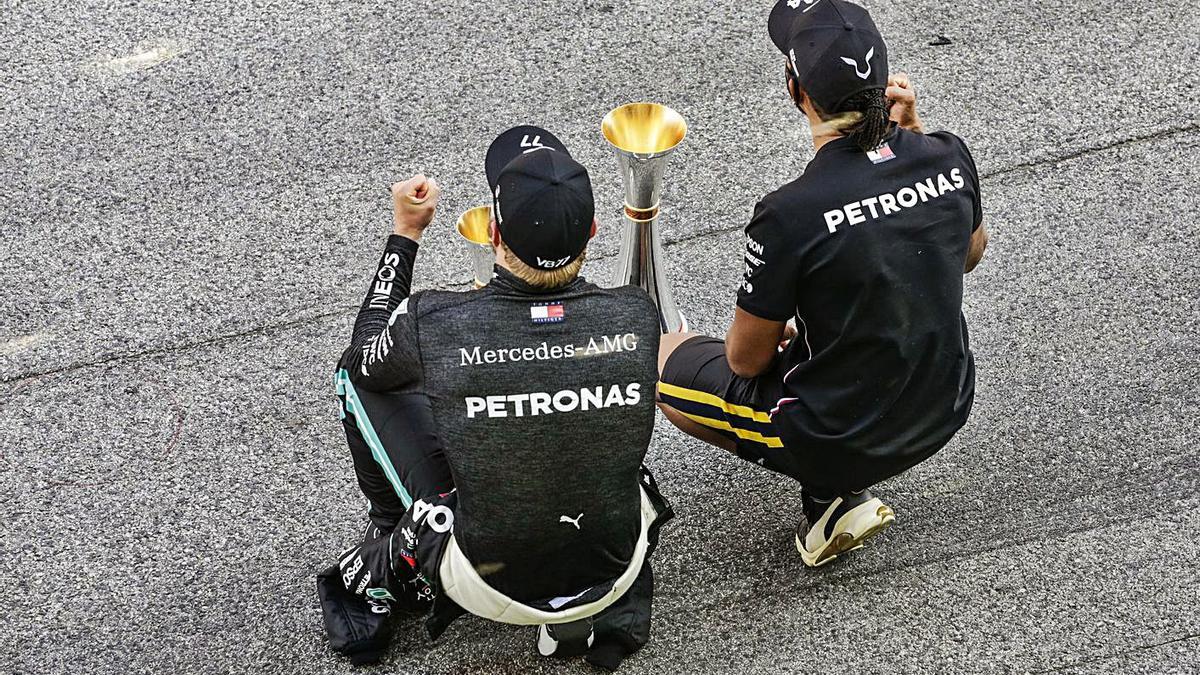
(473, 227)
(644, 128)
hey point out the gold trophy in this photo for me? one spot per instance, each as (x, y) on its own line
(644, 135)
(473, 226)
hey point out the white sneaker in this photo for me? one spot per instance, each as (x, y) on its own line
(845, 524)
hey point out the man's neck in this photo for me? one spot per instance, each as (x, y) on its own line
(500, 261)
(822, 132)
(820, 140)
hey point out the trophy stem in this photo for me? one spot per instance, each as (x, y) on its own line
(642, 263)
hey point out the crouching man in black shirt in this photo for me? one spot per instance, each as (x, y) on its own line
(866, 251)
(498, 434)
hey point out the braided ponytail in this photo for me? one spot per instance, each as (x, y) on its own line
(872, 127)
(863, 117)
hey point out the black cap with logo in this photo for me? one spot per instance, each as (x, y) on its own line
(834, 49)
(542, 199)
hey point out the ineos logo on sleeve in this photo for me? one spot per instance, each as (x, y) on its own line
(854, 62)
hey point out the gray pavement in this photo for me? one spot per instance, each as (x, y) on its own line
(188, 232)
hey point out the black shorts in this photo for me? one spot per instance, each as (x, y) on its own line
(698, 382)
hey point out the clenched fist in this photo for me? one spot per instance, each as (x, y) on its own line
(902, 102)
(413, 204)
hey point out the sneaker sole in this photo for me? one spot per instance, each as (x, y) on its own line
(846, 541)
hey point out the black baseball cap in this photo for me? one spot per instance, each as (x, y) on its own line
(833, 47)
(541, 198)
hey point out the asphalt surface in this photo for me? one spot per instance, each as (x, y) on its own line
(193, 199)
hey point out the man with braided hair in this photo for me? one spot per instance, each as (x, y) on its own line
(866, 252)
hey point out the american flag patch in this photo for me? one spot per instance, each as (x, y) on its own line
(551, 312)
(881, 154)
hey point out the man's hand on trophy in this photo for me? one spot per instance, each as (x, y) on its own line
(414, 202)
(902, 103)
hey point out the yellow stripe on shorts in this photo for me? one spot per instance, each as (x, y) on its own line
(715, 401)
(769, 441)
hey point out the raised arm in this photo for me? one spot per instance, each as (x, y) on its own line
(902, 103)
(383, 354)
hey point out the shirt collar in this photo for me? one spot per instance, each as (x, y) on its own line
(504, 280)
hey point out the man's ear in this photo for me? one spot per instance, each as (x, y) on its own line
(494, 232)
(799, 97)
(595, 226)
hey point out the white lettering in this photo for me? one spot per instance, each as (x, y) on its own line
(543, 403)
(553, 264)
(926, 189)
(904, 198)
(475, 405)
(944, 185)
(870, 204)
(518, 401)
(854, 213)
(495, 406)
(474, 356)
(591, 398)
(566, 401)
(956, 176)
(833, 219)
(539, 403)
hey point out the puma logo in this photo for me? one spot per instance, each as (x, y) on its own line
(574, 521)
(853, 62)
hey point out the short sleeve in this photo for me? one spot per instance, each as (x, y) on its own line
(769, 285)
(972, 179)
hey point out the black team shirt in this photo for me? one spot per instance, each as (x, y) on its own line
(866, 251)
(544, 403)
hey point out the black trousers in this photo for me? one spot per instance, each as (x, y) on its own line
(398, 456)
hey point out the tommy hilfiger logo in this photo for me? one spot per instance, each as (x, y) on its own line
(854, 62)
(881, 154)
(550, 312)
